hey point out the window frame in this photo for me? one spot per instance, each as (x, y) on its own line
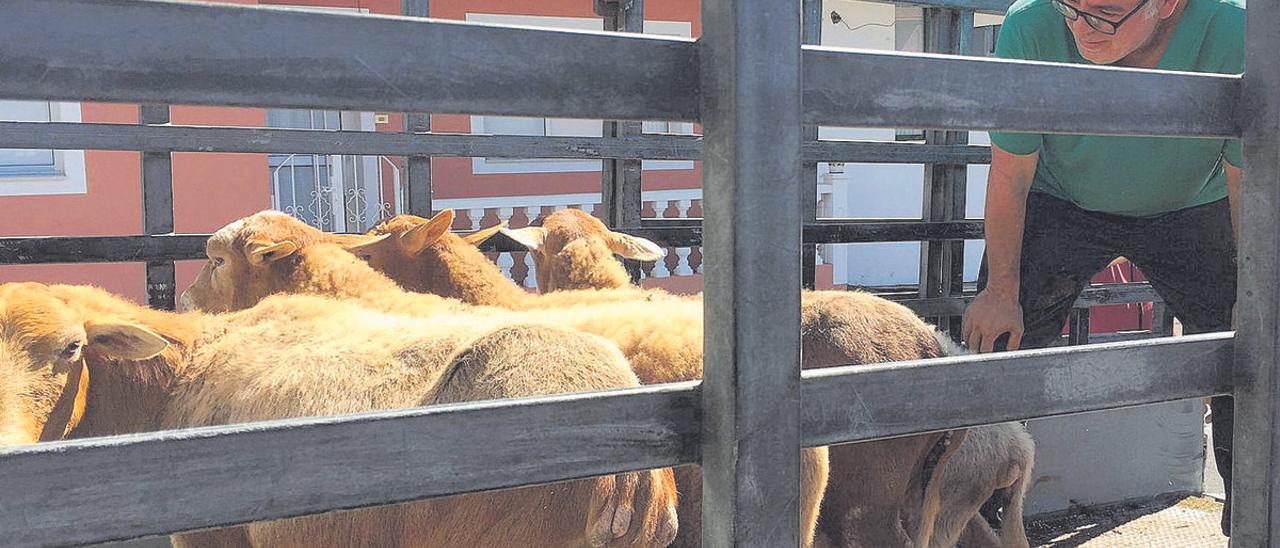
(67, 175)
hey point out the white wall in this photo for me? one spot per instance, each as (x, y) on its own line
(887, 190)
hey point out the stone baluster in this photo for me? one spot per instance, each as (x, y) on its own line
(505, 262)
(682, 261)
(531, 279)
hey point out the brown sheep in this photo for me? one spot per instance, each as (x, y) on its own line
(78, 362)
(875, 489)
(667, 340)
(574, 250)
(874, 515)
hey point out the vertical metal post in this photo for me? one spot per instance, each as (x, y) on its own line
(942, 262)
(157, 210)
(750, 111)
(1161, 319)
(621, 189)
(418, 174)
(811, 34)
(1078, 326)
(1255, 505)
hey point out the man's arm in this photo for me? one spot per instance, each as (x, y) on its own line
(996, 311)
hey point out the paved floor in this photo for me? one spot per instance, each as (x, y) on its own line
(1183, 521)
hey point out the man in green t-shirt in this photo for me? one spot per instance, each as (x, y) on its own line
(1061, 207)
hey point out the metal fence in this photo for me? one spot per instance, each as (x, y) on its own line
(758, 94)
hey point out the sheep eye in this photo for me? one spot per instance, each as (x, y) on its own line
(72, 351)
(218, 261)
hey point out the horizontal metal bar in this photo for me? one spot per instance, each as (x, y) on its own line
(102, 249)
(895, 89)
(683, 232)
(885, 400)
(831, 231)
(128, 486)
(75, 136)
(667, 232)
(92, 50)
(1094, 295)
(997, 7)
(55, 50)
(61, 135)
(894, 153)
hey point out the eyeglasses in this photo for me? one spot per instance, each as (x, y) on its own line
(1099, 24)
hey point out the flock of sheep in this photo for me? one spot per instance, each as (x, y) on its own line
(287, 321)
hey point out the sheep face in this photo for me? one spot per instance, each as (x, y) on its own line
(238, 273)
(46, 347)
(574, 250)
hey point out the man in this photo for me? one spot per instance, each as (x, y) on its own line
(1061, 207)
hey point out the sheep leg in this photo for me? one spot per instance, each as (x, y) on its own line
(977, 534)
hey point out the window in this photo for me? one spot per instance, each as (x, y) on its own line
(565, 127)
(332, 192)
(26, 172)
(908, 35)
(26, 161)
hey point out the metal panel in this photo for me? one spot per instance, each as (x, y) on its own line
(561, 437)
(70, 135)
(750, 55)
(1256, 499)
(286, 468)
(55, 50)
(620, 179)
(872, 401)
(157, 211)
(937, 92)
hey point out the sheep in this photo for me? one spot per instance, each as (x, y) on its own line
(574, 250)
(78, 362)
(662, 340)
(670, 351)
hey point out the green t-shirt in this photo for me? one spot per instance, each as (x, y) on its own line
(1131, 176)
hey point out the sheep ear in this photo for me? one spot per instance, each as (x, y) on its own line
(123, 341)
(532, 237)
(635, 247)
(478, 237)
(424, 235)
(356, 242)
(260, 253)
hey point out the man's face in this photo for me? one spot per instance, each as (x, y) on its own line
(1104, 49)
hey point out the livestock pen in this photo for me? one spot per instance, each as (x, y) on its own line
(758, 124)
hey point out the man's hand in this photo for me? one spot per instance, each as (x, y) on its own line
(992, 313)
